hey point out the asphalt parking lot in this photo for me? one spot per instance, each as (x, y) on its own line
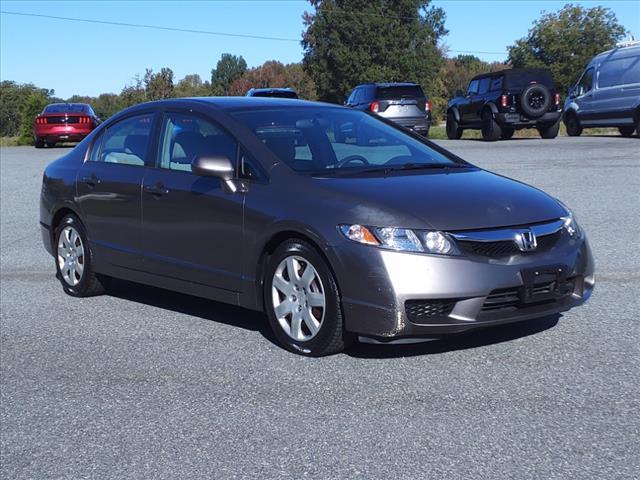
(142, 383)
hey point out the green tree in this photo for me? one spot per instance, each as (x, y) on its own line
(158, 85)
(32, 107)
(276, 75)
(228, 69)
(134, 93)
(566, 40)
(348, 42)
(192, 86)
(13, 97)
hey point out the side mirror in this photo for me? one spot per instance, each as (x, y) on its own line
(460, 93)
(218, 166)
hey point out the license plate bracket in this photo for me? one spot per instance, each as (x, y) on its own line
(543, 283)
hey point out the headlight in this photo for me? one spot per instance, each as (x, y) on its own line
(402, 239)
(571, 226)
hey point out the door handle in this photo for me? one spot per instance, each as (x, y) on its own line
(157, 190)
(91, 180)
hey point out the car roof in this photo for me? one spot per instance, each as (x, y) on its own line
(274, 89)
(619, 51)
(511, 71)
(67, 103)
(389, 84)
(245, 103)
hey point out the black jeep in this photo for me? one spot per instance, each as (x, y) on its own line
(500, 103)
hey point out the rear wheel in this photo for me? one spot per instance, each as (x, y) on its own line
(627, 131)
(549, 131)
(454, 132)
(74, 262)
(574, 129)
(490, 129)
(39, 143)
(302, 301)
(507, 133)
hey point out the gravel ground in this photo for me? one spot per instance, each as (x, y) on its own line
(142, 383)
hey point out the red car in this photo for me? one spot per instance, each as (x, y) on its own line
(64, 122)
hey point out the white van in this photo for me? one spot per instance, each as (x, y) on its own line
(608, 92)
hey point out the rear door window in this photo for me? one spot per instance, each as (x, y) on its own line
(483, 85)
(125, 142)
(621, 71)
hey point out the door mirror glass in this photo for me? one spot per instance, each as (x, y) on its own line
(218, 166)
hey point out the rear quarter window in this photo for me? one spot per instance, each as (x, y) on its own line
(620, 71)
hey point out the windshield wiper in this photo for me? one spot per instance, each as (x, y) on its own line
(391, 168)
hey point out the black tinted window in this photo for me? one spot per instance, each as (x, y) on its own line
(473, 87)
(126, 141)
(276, 94)
(65, 108)
(404, 91)
(496, 84)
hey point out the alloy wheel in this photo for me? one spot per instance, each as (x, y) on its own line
(298, 298)
(71, 256)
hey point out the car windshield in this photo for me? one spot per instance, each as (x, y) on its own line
(64, 108)
(335, 141)
(521, 79)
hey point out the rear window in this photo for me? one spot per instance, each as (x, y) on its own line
(276, 94)
(65, 108)
(517, 79)
(400, 91)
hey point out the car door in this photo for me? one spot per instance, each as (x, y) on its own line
(466, 113)
(584, 96)
(192, 225)
(617, 90)
(108, 189)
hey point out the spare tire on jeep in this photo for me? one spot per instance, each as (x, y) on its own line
(535, 100)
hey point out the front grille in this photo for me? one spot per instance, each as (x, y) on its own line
(511, 298)
(419, 310)
(507, 248)
(51, 120)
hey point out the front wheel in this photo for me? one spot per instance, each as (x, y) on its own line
(302, 302)
(74, 262)
(454, 132)
(574, 129)
(549, 131)
(627, 131)
(490, 129)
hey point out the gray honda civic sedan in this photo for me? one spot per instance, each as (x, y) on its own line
(337, 224)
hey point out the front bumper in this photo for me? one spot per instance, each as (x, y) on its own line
(458, 293)
(518, 120)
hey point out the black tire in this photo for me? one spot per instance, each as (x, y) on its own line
(638, 124)
(426, 133)
(627, 131)
(454, 132)
(491, 131)
(507, 133)
(38, 143)
(572, 124)
(549, 131)
(535, 100)
(330, 337)
(89, 284)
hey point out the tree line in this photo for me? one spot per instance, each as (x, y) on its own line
(346, 43)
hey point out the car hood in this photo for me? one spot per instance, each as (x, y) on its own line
(457, 200)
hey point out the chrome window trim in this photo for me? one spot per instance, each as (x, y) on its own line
(507, 234)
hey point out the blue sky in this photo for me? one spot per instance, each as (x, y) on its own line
(89, 59)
